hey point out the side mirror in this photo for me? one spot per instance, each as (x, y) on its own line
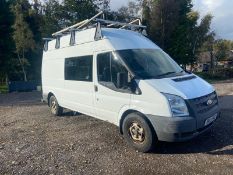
(122, 80)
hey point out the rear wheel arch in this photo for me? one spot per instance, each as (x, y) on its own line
(50, 94)
(55, 108)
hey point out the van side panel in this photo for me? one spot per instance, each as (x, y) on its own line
(74, 95)
(53, 77)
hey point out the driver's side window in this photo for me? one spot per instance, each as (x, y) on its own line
(109, 68)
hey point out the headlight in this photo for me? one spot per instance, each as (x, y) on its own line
(177, 104)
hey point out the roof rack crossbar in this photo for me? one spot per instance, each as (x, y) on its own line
(90, 20)
(78, 25)
(132, 22)
(47, 39)
(111, 23)
(69, 28)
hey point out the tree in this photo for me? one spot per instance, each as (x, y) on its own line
(103, 5)
(200, 34)
(193, 35)
(34, 18)
(208, 46)
(180, 42)
(173, 25)
(221, 48)
(145, 16)
(22, 35)
(52, 17)
(6, 41)
(60, 14)
(77, 10)
(129, 12)
(164, 19)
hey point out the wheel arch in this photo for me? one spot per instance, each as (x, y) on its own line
(127, 112)
(50, 94)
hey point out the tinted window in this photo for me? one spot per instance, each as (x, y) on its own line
(79, 68)
(108, 66)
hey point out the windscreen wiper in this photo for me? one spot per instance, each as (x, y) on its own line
(167, 73)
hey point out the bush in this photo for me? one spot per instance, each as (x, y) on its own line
(3, 89)
(229, 72)
(224, 73)
(217, 74)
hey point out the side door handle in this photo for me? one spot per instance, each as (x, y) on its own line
(96, 88)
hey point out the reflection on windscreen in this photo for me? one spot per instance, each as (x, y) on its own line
(149, 63)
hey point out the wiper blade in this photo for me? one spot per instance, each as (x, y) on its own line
(167, 73)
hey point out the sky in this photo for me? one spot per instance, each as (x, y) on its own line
(222, 11)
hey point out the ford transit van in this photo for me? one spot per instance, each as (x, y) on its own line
(120, 76)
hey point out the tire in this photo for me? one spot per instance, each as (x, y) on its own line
(54, 106)
(139, 133)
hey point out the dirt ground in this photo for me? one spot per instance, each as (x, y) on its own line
(32, 141)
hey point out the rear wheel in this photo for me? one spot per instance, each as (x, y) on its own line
(54, 106)
(138, 132)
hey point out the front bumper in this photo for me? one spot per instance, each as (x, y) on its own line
(178, 129)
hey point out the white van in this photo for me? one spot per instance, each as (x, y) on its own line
(122, 77)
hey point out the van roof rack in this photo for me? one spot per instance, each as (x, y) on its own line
(78, 25)
(121, 24)
(89, 22)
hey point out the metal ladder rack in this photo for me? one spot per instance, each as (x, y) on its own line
(121, 24)
(94, 22)
(78, 25)
(85, 23)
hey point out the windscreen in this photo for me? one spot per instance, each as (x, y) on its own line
(150, 63)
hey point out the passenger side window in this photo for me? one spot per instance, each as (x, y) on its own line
(103, 67)
(108, 68)
(79, 68)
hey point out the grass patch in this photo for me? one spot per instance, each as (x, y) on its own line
(3, 89)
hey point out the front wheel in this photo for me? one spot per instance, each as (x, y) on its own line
(54, 106)
(138, 132)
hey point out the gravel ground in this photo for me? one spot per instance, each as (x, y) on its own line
(32, 141)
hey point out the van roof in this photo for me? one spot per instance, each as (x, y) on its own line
(118, 38)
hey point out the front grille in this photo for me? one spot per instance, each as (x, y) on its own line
(200, 105)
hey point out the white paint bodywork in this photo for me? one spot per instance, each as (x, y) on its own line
(107, 104)
(186, 89)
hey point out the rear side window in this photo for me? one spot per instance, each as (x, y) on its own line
(79, 68)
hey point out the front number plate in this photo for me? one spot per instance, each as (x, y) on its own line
(211, 119)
